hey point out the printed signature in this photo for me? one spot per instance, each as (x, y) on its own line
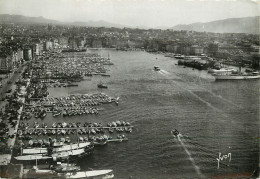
(220, 158)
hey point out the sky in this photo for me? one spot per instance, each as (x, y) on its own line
(134, 13)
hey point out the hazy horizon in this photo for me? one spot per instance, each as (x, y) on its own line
(142, 13)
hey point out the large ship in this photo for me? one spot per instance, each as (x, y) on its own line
(245, 76)
(178, 56)
(222, 70)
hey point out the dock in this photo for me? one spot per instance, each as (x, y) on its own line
(75, 128)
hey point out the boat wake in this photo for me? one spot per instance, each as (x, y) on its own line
(164, 72)
(197, 169)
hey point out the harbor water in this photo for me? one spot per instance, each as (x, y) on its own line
(214, 118)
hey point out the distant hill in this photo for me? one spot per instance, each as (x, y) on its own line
(97, 24)
(248, 25)
(6, 18)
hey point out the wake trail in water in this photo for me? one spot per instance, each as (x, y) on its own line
(165, 72)
(162, 73)
(197, 169)
(196, 96)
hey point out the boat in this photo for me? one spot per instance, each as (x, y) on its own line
(175, 132)
(68, 153)
(32, 157)
(106, 174)
(71, 147)
(156, 68)
(35, 151)
(178, 56)
(101, 85)
(56, 113)
(222, 70)
(57, 144)
(245, 76)
(66, 167)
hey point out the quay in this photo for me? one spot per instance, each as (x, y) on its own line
(5, 159)
(80, 128)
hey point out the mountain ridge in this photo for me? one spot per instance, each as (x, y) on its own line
(7, 18)
(249, 25)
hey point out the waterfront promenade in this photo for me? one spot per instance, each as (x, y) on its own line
(6, 158)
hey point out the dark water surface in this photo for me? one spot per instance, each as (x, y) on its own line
(213, 117)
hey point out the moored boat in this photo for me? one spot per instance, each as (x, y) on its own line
(66, 154)
(90, 174)
(71, 147)
(247, 76)
(222, 70)
(35, 151)
(32, 157)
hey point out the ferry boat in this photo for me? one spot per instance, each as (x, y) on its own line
(236, 76)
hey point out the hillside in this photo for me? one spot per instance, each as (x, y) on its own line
(248, 25)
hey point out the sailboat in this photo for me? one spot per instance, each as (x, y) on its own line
(109, 61)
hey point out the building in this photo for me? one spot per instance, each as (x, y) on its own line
(72, 43)
(196, 50)
(5, 64)
(27, 54)
(48, 45)
(19, 55)
(64, 42)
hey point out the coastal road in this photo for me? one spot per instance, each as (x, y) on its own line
(13, 78)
